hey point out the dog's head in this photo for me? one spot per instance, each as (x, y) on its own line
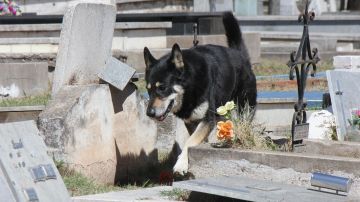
(163, 83)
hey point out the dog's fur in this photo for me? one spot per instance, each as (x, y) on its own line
(193, 83)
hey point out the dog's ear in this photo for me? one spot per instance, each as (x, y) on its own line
(149, 59)
(177, 57)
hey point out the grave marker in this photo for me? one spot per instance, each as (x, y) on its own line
(85, 43)
(344, 88)
(26, 171)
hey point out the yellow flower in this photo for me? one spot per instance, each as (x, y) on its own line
(230, 105)
(221, 110)
(225, 130)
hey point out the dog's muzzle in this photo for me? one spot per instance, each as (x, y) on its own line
(151, 112)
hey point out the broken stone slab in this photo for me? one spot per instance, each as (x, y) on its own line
(346, 62)
(77, 126)
(27, 173)
(23, 79)
(117, 73)
(85, 43)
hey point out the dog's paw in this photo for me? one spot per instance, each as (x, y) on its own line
(181, 167)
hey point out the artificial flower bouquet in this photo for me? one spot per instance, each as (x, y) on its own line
(8, 7)
(237, 129)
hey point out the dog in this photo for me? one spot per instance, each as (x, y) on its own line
(193, 83)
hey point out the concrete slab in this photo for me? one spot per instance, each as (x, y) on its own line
(27, 173)
(148, 194)
(344, 89)
(24, 79)
(85, 43)
(255, 190)
(297, 161)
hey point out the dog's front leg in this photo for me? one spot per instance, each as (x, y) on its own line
(201, 132)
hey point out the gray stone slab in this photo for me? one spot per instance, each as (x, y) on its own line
(255, 190)
(117, 73)
(85, 43)
(26, 167)
(23, 79)
(344, 88)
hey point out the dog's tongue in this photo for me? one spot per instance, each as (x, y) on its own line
(161, 118)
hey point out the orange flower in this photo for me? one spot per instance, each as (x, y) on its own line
(225, 130)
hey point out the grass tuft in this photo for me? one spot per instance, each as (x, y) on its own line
(248, 133)
(26, 101)
(78, 184)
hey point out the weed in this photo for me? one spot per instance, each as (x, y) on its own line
(248, 133)
(176, 194)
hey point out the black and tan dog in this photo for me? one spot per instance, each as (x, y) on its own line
(193, 83)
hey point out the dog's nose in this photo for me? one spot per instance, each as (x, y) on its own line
(150, 112)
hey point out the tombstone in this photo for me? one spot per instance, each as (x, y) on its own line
(201, 6)
(77, 123)
(283, 7)
(346, 62)
(85, 43)
(27, 173)
(246, 7)
(221, 5)
(344, 89)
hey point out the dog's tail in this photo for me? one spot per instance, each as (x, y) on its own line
(232, 30)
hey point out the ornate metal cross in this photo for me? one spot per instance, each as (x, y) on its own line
(307, 59)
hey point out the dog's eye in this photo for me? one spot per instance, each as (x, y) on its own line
(162, 88)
